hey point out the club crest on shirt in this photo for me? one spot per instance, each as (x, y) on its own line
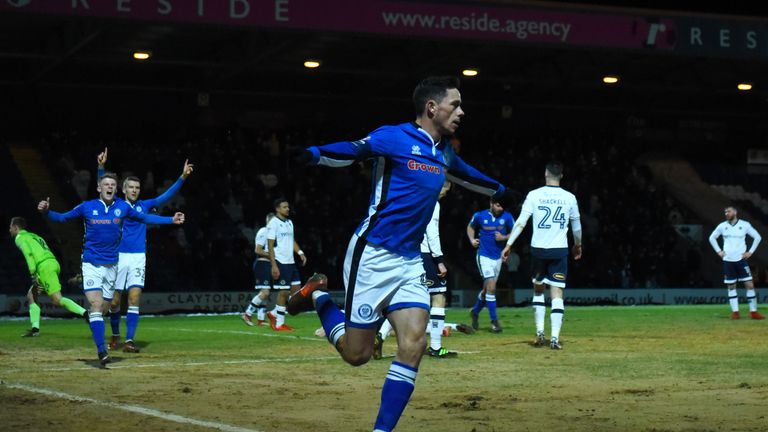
(138, 209)
(118, 212)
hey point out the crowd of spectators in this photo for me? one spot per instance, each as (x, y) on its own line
(628, 222)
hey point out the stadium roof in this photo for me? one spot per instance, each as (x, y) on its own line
(72, 53)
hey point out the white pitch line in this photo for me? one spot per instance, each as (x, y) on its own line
(242, 332)
(175, 365)
(130, 408)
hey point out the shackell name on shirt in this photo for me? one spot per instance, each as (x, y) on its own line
(418, 166)
(552, 201)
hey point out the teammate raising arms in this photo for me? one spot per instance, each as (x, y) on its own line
(552, 208)
(103, 219)
(132, 261)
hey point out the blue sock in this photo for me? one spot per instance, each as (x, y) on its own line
(395, 395)
(331, 318)
(114, 321)
(131, 322)
(97, 330)
(479, 304)
(491, 300)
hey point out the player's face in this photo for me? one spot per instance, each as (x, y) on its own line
(13, 230)
(730, 214)
(496, 208)
(448, 113)
(131, 190)
(107, 188)
(284, 210)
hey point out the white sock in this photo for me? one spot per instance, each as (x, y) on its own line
(437, 323)
(752, 299)
(556, 316)
(280, 316)
(733, 298)
(255, 302)
(385, 328)
(539, 310)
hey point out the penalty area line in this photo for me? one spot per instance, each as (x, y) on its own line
(137, 409)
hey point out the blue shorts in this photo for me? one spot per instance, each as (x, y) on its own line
(549, 266)
(736, 272)
(262, 274)
(435, 284)
(289, 275)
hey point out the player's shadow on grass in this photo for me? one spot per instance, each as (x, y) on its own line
(95, 363)
(141, 345)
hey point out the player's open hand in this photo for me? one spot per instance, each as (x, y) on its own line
(576, 252)
(187, 170)
(101, 159)
(44, 205)
(178, 218)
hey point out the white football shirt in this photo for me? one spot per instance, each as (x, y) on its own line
(552, 209)
(281, 231)
(261, 239)
(734, 239)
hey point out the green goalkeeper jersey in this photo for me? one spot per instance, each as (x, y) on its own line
(34, 248)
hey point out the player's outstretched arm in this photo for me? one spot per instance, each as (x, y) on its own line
(463, 174)
(101, 161)
(338, 154)
(44, 208)
(146, 218)
(174, 189)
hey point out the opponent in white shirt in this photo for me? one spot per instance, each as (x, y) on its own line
(263, 276)
(285, 275)
(735, 255)
(552, 209)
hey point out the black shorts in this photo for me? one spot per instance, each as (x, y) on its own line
(289, 275)
(435, 284)
(262, 274)
(549, 266)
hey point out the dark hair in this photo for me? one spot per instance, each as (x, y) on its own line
(432, 88)
(555, 168)
(112, 176)
(131, 178)
(279, 201)
(19, 221)
(731, 206)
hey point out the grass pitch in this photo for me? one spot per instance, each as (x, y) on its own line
(645, 368)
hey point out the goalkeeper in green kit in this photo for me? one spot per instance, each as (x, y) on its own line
(44, 272)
